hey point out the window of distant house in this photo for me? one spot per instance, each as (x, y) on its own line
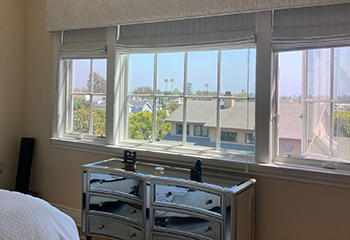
(86, 96)
(229, 136)
(314, 104)
(200, 131)
(249, 138)
(193, 88)
(179, 129)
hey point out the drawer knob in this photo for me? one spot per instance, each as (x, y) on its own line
(207, 229)
(102, 181)
(133, 211)
(168, 194)
(209, 202)
(101, 226)
(101, 204)
(167, 220)
(133, 187)
(132, 235)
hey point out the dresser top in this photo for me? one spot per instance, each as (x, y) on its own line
(145, 170)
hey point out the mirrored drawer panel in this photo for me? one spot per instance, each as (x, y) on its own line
(163, 236)
(126, 209)
(113, 228)
(187, 223)
(111, 182)
(188, 197)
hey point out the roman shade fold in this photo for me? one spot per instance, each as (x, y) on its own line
(85, 43)
(311, 27)
(221, 32)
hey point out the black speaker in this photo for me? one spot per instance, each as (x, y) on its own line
(24, 165)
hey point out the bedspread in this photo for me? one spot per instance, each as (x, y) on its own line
(25, 217)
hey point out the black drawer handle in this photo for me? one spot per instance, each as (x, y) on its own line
(207, 229)
(101, 226)
(132, 235)
(101, 204)
(209, 202)
(133, 211)
(168, 194)
(102, 181)
(167, 220)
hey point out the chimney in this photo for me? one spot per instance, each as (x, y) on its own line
(229, 103)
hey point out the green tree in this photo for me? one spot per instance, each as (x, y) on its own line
(80, 103)
(141, 124)
(342, 123)
(143, 90)
(171, 106)
(206, 87)
(176, 92)
(172, 82)
(189, 88)
(166, 84)
(99, 85)
(81, 120)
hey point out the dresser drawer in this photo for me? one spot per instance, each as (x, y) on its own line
(188, 197)
(164, 236)
(113, 228)
(187, 223)
(124, 208)
(115, 183)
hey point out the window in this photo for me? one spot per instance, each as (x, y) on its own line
(314, 104)
(229, 136)
(249, 138)
(200, 131)
(167, 85)
(86, 98)
(179, 129)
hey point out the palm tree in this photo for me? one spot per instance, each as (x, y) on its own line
(206, 86)
(166, 84)
(172, 81)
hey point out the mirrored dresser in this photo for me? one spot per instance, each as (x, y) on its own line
(160, 203)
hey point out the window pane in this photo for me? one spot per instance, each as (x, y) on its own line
(238, 72)
(170, 73)
(140, 119)
(228, 136)
(141, 73)
(318, 128)
(238, 117)
(202, 73)
(341, 144)
(249, 138)
(100, 75)
(342, 74)
(204, 132)
(197, 130)
(99, 115)
(81, 75)
(202, 112)
(319, 74)
(81, 114)
(290, 104)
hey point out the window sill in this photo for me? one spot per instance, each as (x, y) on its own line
(213, 161)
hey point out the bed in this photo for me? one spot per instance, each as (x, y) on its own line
(25, 217)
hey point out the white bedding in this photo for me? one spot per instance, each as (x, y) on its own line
(25, 217)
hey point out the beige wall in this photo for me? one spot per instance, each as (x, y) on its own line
(12, 81)
(285, 210)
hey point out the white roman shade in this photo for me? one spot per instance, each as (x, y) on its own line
(312, 27)
(221, 32)
(85, 43)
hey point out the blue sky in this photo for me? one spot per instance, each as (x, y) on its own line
(202, 69)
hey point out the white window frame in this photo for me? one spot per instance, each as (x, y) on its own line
(265, 163)
(185, 96)
(68, 123)
(312, 160)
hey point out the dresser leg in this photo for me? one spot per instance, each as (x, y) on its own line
(85, 238)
